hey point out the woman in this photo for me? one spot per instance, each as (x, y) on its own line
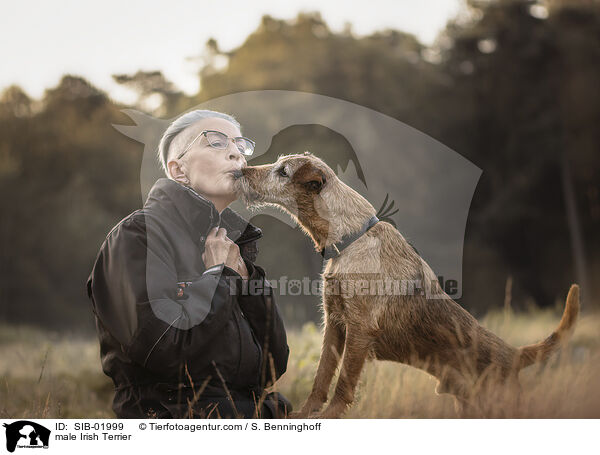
(180, 333)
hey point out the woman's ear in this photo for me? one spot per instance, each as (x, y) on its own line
(176, 171)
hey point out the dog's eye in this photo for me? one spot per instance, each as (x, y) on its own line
(282, 172)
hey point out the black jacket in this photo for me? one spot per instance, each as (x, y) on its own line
(169, 328)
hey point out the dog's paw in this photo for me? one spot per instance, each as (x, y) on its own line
(333, 411)
(325, 415)
(305, 413)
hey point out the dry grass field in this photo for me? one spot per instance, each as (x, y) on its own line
(47, 375)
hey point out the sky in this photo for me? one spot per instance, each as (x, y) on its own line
(40, 41)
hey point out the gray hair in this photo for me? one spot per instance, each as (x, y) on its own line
(180, 124)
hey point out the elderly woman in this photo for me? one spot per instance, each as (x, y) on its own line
(187, 323)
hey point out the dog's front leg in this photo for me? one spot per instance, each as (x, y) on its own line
(357, 347)
(331, 351)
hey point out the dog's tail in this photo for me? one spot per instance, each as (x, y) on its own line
(543, 350)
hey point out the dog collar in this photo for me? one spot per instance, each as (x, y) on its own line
(334, 250)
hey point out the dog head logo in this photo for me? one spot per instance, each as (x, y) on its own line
(414, 182)
(26, 434)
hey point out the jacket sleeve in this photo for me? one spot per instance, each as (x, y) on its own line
(257, 300)
(134, 290)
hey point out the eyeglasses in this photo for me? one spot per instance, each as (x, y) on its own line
(220, 141)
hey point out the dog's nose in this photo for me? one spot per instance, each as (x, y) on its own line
(238, 173)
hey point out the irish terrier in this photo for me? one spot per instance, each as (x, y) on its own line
(418, 324)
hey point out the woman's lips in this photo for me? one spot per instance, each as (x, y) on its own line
(236, 173)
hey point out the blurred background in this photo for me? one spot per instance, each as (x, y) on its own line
(510, 85)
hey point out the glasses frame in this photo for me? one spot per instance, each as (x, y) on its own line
(203, 133)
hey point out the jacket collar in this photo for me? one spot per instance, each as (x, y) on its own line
(199, 213)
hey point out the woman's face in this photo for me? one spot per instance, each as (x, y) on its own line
(209, 169)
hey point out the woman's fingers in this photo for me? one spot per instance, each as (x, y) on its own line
(242, 269)
(222, 233)
(221, 249)
(217, 247)
(216, 232)
(232, 256)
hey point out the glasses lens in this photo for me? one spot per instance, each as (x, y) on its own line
(219, 140)
(245, 146)
(216, 139)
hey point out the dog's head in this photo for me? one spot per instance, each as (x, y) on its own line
(293, 182)
(305, 187)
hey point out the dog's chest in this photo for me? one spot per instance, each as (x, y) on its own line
(361, 257)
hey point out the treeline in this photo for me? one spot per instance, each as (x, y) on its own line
(513, 87)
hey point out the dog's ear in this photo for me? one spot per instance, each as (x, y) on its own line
(310, 177)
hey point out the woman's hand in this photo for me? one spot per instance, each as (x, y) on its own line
(241, 267)
(220, 249)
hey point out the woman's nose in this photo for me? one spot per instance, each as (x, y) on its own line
(233, 152)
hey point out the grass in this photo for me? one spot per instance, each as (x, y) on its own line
(49, 375)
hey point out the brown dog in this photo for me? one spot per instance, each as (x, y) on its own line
(426, 330)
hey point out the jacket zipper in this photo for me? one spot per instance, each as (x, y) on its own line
(239, 366)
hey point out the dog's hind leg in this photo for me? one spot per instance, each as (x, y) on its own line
(452, 382)
(466, 408)
(331, 352)
(358, 345)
